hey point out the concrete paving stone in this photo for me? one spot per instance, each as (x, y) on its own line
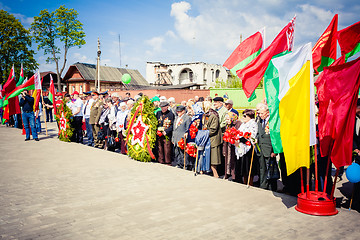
(56, 190)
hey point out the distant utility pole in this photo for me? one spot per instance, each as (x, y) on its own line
(119, 50)
(97, 77)
(240, 38)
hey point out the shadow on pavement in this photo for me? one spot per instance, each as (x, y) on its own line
(289, 201)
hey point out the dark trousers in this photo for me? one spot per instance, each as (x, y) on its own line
(49, 115)
(122, 143)
(77, 123)
(165, 147)
(270, 184)
(89, 132)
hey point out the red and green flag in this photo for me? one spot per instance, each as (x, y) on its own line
(252, 74)
(349, 40)
(324, 50)
(12, 107)
(21, 78)
(52, 93)
(247, 50)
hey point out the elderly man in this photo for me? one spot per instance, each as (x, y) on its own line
(165, 127)
(78, 117)
(181, 125)
(269, 172)
(86, 117)
(172, 107)
(229, 106)
(95, 114)
(222, 111)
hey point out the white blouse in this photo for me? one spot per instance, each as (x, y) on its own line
(251, 127)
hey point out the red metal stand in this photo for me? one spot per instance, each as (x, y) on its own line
(315, 202)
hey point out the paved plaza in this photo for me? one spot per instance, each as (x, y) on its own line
(56, 190)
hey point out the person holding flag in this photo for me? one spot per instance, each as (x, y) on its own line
(27, 104)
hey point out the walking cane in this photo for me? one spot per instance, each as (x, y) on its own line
(352, 196)
(184, 153)
(196, 161)
(251, 163)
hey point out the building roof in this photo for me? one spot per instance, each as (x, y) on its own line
(108, 74)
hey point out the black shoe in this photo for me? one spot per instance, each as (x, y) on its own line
(36, 139)
(27, 139)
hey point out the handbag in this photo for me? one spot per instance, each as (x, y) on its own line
(101, 135)
(111, 142)
(273, 170)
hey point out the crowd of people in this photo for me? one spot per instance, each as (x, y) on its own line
(246, 159)
(100, 115)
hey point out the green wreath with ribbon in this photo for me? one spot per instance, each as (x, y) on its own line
(141, 131)
(64, 118)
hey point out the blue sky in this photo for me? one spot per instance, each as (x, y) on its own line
(182, 31)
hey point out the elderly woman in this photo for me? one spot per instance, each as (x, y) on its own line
(211, 123)
(229, 149)
(244, 147)
(121, 118)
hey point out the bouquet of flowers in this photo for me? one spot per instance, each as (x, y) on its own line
(191, 149)
(193, 130)
(231, 135)
(181, 144)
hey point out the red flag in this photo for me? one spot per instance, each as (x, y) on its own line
(252, 74)
(338, 88)
(349, 40)
(324, 50)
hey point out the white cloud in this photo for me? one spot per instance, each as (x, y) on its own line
(26, 21)
(156, 43)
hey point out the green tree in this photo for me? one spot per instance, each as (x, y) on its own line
(54, 29)
(15, 44)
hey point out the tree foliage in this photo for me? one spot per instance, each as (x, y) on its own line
(55, 32)
(232, 82)
(15, 44)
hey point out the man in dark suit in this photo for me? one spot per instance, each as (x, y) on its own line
(267, 156)
(181, 125)
(356, 149)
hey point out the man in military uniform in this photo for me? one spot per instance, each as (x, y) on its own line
(95, 113)
(165, 128)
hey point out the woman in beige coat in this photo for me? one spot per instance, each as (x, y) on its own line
(211, 123)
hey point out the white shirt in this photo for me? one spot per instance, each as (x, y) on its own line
(87, 108)
(75, 107)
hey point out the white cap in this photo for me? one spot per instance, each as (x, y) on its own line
(162, 99)
(171, 99)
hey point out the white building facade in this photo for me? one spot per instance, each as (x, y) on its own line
(201, 73)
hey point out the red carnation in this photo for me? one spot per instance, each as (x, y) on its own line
(248, 143)
(247, 135)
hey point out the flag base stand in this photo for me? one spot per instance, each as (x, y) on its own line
(316, 203)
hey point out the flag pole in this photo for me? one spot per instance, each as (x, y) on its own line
(43, 106)
(316, 170)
